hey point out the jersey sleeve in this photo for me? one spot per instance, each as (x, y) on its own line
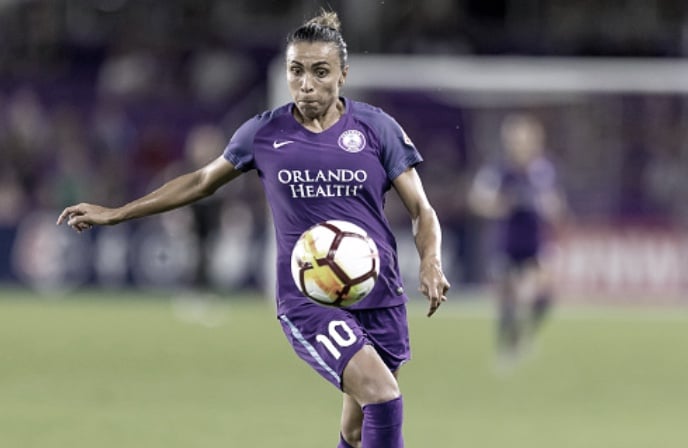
(398, 151)
(239, 151)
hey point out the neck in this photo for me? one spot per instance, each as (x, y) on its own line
(324, 121)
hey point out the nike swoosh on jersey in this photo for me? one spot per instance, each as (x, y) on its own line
(277, 144)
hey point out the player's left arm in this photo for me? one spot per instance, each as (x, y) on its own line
(550, 198)
(428, 237)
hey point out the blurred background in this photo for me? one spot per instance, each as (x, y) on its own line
(104, 100)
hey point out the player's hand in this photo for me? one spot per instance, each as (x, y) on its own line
(433, 285)
(83, 216)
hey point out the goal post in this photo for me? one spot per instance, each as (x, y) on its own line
(503, 75)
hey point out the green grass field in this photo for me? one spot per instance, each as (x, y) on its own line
(139, 370)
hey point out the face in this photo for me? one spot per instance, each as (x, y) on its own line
(314, 76)
(523, 139)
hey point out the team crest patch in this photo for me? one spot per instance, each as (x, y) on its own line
(352, 141)
(407, 140)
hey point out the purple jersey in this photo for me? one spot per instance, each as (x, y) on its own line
(341, 173)
(521, 229)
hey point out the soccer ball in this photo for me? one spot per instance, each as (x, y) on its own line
(335, 263)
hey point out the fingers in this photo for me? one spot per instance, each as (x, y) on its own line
(81, 226)
(79, 223)
(67, 213)
(70, 213)
(435, 303)
(75, 217)
(435, 294)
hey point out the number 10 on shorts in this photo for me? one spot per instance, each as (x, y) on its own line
(339, 333)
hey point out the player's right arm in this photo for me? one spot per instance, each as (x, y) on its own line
(178, 192)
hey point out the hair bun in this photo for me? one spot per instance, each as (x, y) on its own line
(326, 19)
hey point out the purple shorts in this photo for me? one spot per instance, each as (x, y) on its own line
(327, 338)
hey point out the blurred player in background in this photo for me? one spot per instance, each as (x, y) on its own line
(520, 193)
(325, 157)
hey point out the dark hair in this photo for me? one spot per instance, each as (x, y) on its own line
(324, 27)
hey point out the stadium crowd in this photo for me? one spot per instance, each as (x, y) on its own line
(99, 95)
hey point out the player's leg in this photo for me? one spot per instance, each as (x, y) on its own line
(533, 302)
(387, 330)
(508, 330)
(352, 422)
(543, 300)
(374, 388)
(335, 344)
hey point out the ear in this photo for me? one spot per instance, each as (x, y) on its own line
(342, 78)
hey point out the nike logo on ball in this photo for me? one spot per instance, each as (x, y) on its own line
(277, 144)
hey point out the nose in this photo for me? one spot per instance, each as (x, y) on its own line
(306, 83)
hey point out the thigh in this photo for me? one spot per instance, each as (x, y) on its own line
(526, 278)
(368, 380)
(325, 338)
(387, 330)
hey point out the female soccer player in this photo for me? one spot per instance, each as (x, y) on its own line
(325, 157)
(521, 193)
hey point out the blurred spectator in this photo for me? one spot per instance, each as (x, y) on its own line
(202, 219)
(28, 132)
(432, 26)
(13, 201)
(72, 170)
(114, 138)
(129, 75)
(216, 75)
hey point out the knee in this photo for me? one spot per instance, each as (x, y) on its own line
(352, 434)
(373, 390)
(368, 380)
(369, 389)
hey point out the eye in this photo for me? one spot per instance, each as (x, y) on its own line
(321, 73)
(295, 70)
